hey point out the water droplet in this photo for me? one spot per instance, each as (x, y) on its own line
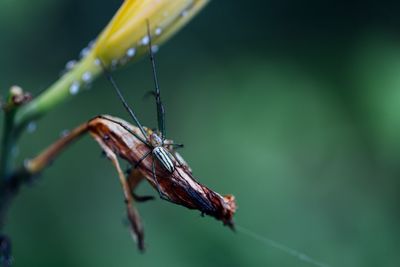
(184, 13)
(114, 63)
(155, 48)
(131, 52)
(97, 62)
(91, 43)
(70, 64)
(27, 163)
(87, 77)
(74, 88)
(145, 40)
(84, 52)
(31, 127)
(64, 133)
(158, 31)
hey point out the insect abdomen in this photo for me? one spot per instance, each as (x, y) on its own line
(164, 158)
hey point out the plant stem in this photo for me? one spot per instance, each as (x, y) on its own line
(82, 74)
(17, 117)
(7, 144)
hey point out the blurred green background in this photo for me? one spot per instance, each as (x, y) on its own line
(292, 106)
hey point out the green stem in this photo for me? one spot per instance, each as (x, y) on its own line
(59, 92)
(17, 119)
(7, 144)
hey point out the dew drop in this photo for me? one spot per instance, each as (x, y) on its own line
(74, 88)
(70, 64)
(91, 43)
(145, 40)
(155, 48)
(131, 52)
(64, 133)
(184, 13)
(87, 77)
(26, 163)
(97, 62)
(158, 31)
(84, 52)
(114, 63)
(31, 127)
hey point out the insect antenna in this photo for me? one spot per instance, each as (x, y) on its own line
(121, 97)
(160, 107)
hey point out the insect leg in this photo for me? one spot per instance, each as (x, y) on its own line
(126, 128)
(175, 146)
(169, 144)
(162, 195)
(142, 198)
(160, 107)
(121, 97)
(134, 178)
(132, 213)
(181, 162)
(141, 159)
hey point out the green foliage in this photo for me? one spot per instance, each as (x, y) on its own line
(290, 112)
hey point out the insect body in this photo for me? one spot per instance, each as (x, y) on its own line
(161, 153)
(163, 156)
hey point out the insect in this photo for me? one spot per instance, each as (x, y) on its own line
(152, 157)
(154, 139)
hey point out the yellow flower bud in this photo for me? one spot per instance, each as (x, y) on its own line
(125, 37)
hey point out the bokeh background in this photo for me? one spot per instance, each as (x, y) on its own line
(292, 106)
